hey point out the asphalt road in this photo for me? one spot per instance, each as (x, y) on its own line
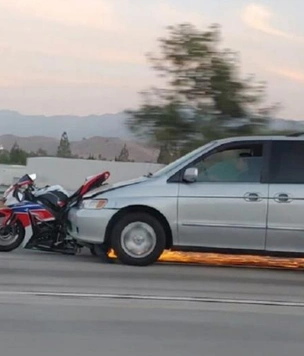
(75, 305)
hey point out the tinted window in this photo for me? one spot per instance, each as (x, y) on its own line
(287, 162)
(238, 164)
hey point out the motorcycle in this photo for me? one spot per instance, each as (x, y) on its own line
(36, 218)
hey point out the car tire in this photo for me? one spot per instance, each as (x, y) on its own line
(145, 231)
(7, 244)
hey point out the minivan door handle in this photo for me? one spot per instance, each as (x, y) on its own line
(282, 198)
(252, 197)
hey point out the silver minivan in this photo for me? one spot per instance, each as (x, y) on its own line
(243, 194)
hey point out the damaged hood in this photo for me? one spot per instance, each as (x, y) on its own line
(107, 187)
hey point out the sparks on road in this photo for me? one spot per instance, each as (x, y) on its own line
(216, 259)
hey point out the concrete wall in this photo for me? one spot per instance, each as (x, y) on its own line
(10, 173)
(70, 173)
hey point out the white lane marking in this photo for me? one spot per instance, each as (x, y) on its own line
(153, 298)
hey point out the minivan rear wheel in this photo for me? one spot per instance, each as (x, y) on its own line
(138, 239)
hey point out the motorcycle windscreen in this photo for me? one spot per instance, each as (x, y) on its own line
(24, 180)
(94, 182)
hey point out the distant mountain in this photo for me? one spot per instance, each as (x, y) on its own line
(95, 135)
(110, 147)
(77, 127)
(33, 143)
(106, 147)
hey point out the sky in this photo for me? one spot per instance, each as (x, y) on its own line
(88, 57)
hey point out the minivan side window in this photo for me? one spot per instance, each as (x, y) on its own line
(287, 162)
(242, 163)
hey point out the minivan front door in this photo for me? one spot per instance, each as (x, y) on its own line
(226, 207)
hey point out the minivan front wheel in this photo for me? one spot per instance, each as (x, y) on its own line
(138, 239)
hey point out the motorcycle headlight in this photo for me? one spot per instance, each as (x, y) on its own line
(93, 204)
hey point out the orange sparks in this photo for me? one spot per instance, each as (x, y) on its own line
(215, 259)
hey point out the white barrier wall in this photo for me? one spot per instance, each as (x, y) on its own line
(10, 173)
(70, 173)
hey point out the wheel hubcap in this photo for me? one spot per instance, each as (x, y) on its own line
(138, 239)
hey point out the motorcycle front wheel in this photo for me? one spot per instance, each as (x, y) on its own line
(11, 237)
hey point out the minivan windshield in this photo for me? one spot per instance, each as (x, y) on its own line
(181, 160)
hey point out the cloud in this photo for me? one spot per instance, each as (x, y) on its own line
(98, 31)
(59, 28)
(259, 18)
(94, 13)
(288, 73)
(67, 48)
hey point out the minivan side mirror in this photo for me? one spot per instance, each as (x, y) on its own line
(190, 174)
